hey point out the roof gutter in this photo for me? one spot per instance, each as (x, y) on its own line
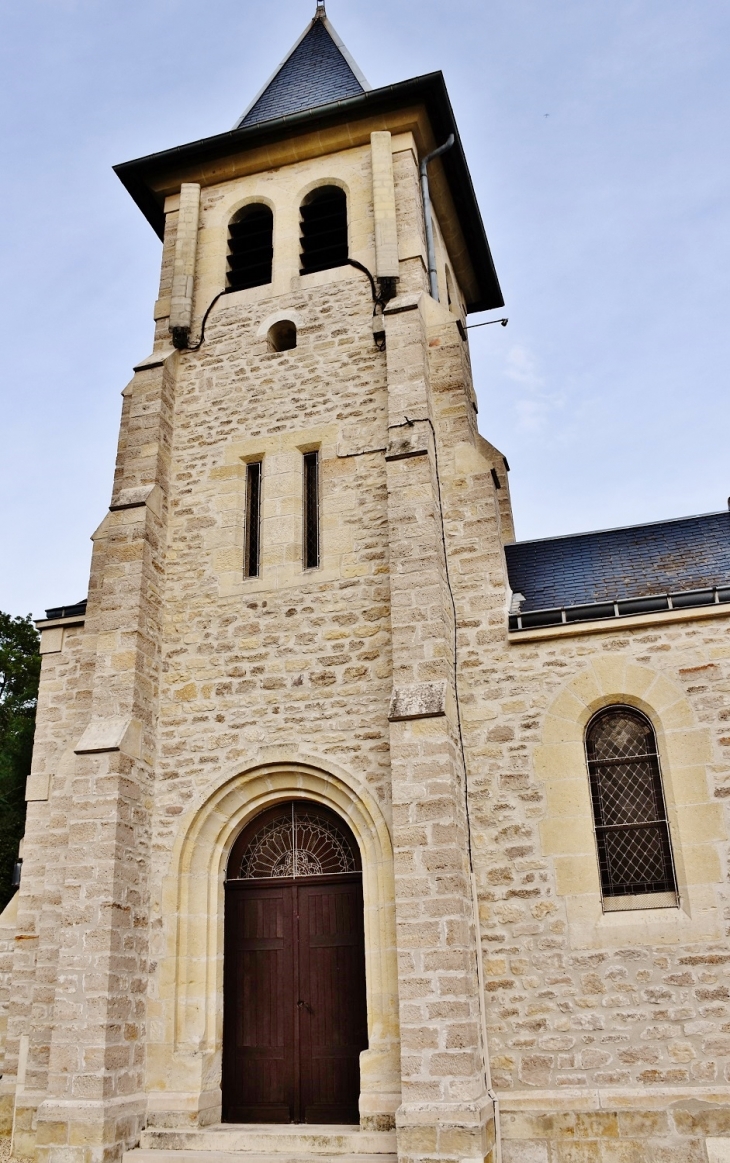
(622, 608)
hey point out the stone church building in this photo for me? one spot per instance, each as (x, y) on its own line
(355, 826)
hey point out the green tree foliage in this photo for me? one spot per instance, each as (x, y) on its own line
(20, 668)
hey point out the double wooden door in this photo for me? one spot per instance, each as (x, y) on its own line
(294, 1000)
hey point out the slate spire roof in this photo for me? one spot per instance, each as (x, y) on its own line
(317, 71)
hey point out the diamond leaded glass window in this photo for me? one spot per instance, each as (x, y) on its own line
(632, 833)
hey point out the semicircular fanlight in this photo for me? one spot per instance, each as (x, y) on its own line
(301, 843)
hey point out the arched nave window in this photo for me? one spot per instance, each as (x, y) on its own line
(629, 813)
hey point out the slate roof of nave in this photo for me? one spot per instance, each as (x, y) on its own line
(317, 72)
(664, 557)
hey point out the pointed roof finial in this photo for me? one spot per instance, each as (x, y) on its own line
(317, 71)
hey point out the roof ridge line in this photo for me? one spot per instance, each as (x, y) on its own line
(618, 528)
(359, 74)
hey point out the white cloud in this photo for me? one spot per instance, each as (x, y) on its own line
(535, 405)
(522, 368)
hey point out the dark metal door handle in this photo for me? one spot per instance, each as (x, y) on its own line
(306, 1005)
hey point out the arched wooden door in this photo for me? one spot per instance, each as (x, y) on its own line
(294, 1017)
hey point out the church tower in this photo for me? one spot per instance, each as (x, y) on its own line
(335, 785)
(247, 885)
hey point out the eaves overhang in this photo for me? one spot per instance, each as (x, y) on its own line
(151, 179)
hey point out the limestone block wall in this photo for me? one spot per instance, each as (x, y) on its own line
(295, 666)
(579, 998)
(411, 230)
(94, 1100)
(446, 1111)
(186, 674)
(290, 664)
(586, 1010)
(8, 922)
(78, 978)
(384, 207)
(64, 706)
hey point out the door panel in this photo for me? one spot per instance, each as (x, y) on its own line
(333, 1023)
(295, 1017)
(259, 1035)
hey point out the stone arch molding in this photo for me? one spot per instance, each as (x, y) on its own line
(234, 199)
(190, 1011)
(294, 317)
(320, 181)
(696, 823)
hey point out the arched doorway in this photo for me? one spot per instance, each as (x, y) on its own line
(295, 1019)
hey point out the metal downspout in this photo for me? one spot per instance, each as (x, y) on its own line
(430, 248)
(483, 1023)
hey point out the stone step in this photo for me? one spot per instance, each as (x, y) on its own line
(156, 1155)
(289, 1140)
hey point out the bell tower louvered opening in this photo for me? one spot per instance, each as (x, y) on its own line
(324, 230)
(250, 248)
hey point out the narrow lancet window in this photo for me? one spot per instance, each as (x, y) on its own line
(632, 832)
(324, 230)
(250, 248)
(311, 510)
(252, 548)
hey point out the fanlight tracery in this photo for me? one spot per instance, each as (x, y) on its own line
(296, 840)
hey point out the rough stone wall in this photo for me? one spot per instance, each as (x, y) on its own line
(8, 921)
(246, 664)
(310, 665)
(79, 972)
(586, 1010)
(656, 1134)
(648, 1013)
(64, 705)
(648, 1005)
(445, 1110)
(295, 660)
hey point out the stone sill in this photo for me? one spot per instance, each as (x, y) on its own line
(616, 625)
(632, 904)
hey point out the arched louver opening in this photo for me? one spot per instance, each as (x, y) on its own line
(324, 230)
(250, 248)
(632, 833)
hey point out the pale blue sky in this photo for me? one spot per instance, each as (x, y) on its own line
(609, 221)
